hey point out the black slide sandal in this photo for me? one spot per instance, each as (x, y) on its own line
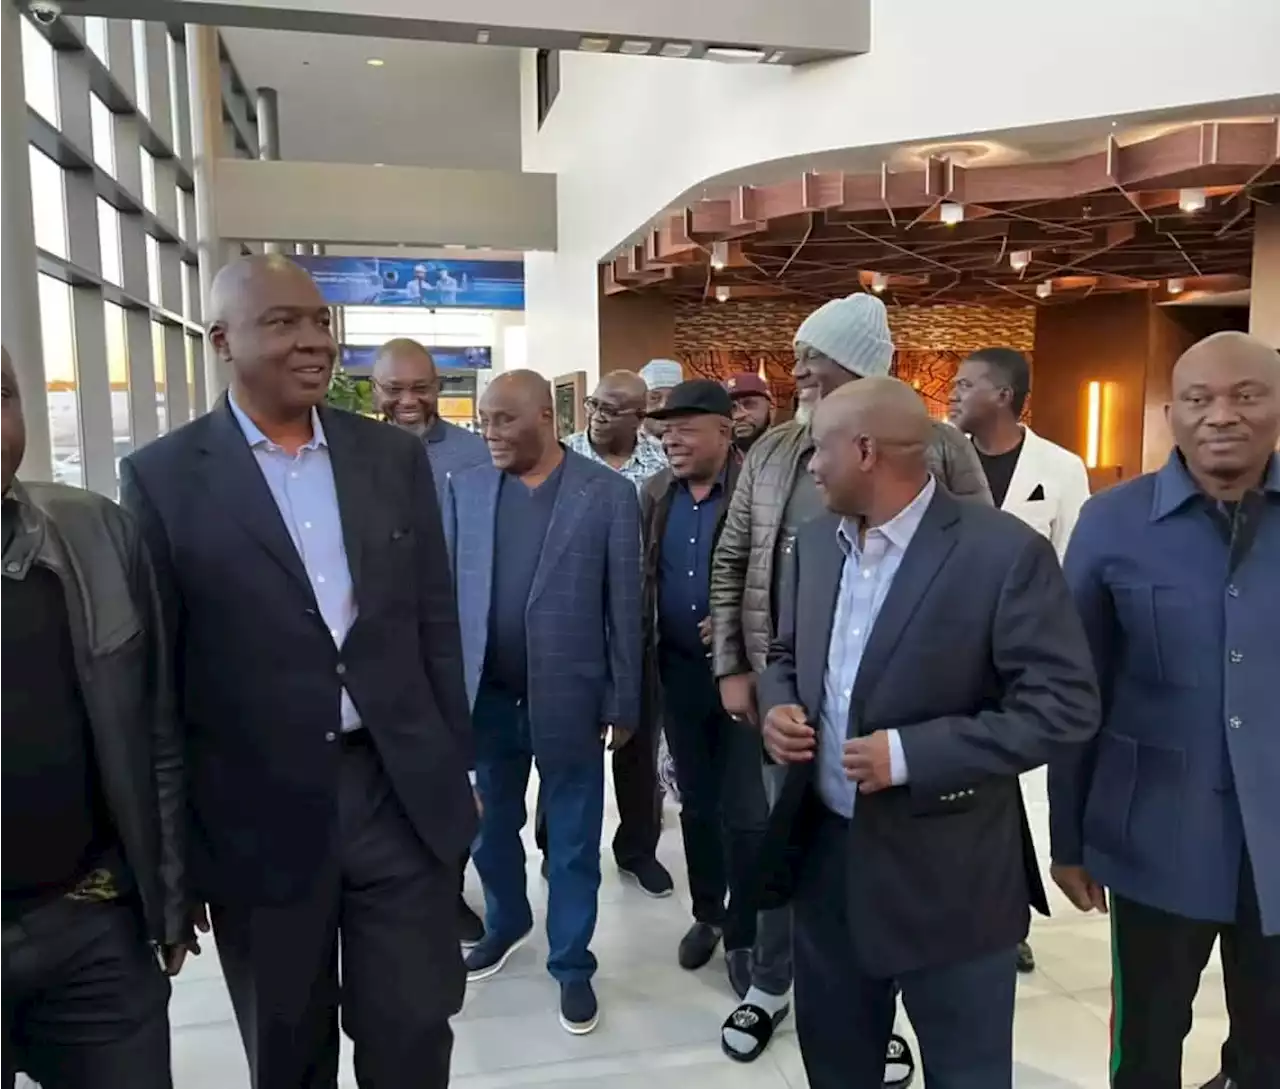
(898, 1058)
(754, 1022)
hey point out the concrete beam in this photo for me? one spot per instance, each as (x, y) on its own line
(385, 205)
(798, 31)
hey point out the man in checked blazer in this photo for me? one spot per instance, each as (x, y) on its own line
(546, 557)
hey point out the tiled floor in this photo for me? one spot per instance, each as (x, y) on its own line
(660, 1025)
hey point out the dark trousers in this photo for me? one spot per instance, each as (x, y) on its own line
(962, 1012)
(572, 794)
(394, 905)
(723, 811)
(1157, 962)
(85, 1001)
(639, 798)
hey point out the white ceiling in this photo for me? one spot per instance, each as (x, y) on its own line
(431, 104)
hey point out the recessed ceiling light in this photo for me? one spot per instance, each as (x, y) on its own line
(675, 49)
(1192, 200)
(1044, 289)
(454, 246)
(1019, 259)
(733, 54)
(1176, 286)
(722, 294)
(635, 47)
(375, 62)
(482, 37)
(879, 281)
(379, 164)
(594, 45)
(951, 214)
(719, 254)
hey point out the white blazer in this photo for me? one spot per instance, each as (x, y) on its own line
(1049, 486)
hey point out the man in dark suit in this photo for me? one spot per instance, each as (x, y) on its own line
(301, 563)
(546, 550)
(927, 654)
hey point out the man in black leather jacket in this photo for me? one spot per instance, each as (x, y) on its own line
(94, 907)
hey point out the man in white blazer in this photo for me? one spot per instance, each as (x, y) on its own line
(1031, 478)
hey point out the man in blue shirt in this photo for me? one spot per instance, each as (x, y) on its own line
(1176, 808)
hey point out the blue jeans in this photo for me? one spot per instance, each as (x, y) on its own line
(573, 800)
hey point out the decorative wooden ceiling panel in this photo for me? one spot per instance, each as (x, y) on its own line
(1172, 213)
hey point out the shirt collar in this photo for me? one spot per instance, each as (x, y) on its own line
(253, 433)
(899, 529)
(437, 432)
(1175, 486)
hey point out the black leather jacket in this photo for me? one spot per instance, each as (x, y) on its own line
(120, 649)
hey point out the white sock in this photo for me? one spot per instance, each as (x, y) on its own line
(740, 1042)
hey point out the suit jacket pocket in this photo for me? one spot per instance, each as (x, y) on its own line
(1107, 809)
(1160, 626)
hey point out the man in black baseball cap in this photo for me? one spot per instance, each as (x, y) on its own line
(723, 807)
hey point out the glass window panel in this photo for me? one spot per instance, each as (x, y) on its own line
(118, 370)
(103, 130)
(142, 89)
(181, 196)
(177, 78)
(48, 204)
(109, 241)
(190, 344)
(153, 271)
(39, 73)
(56, 332)
(95, 35)
(148, 179)
(186, 292)
(157, 353)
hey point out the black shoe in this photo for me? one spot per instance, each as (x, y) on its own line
(488, 958)
(697, 946)
(1026, 958)
(579, 1011)
(737, 963)
(470, 925)
(651, 875)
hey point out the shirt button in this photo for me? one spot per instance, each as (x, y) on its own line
(341, 669)
(293, 476)
(695, 506)
(1233, 591)
(331, 736)
(691, 574)
(320, 579)
(1236, 657)
(306, 525)
(693, 540)
(866, 574)
(333, 632)
(1235, 722)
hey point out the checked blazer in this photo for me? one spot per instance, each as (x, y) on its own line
(582, 621)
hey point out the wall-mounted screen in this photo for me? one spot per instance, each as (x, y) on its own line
(360, 357)
(429, 282)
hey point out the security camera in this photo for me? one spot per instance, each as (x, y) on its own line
(45, 11)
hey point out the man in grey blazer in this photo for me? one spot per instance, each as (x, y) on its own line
(546, 556)
(927, 653)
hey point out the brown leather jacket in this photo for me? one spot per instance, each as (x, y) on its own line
(742, 567)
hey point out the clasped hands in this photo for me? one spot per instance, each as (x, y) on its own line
(789, 739)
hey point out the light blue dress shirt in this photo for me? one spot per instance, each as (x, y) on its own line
(307, 498)
(865, 580)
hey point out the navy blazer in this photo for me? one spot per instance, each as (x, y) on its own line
(1186, 770)
(259, 677)
(582, 622)
(979, 660)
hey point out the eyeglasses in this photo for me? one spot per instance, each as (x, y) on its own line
(606, 412)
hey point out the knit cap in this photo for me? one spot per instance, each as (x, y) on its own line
(853, 332)
(662, 373)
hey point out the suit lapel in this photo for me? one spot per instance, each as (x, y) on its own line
(235, 480)
(355, 486)
(816, 609)
(925, 555)
(571, 503)
(1025, 475)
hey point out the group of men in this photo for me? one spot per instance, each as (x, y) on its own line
(311, 663)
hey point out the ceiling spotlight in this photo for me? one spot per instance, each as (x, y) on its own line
(722, 294)
(1019, 259)
(1044, 289)
(1176, 285)
(879, 281)
(734, 55)
(951, 214)
(482, 37)
(635, 47)
(1192, 200)
(594, 45)
(675, 49)
(719, 254)
(375, 62)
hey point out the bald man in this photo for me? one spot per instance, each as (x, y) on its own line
(546, 555)
(1175, 809)
(927, 654)
(300, 557)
